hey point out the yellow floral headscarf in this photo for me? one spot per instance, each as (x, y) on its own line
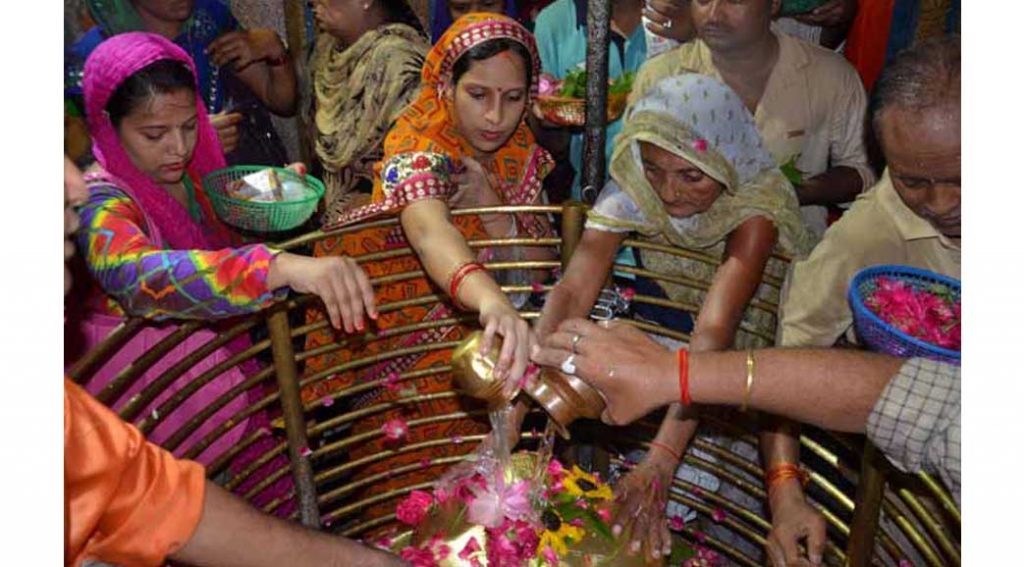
(703, 121)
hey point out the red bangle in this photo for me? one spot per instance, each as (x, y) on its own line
(667, 449)
(684, 376)
(459, 276)
(783, 472)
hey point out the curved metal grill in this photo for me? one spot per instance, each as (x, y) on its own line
(875, 515)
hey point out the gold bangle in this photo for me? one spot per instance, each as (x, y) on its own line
(750, 379)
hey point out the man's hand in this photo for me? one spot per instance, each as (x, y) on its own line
(243, 48)
(633, 373)
(670, 19)
(794, 520)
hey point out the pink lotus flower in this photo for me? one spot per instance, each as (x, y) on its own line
(700, 144)
(676, 523)
(414, 508)
(395, 429)
(493, 504)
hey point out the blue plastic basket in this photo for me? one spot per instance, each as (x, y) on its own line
(880, 336)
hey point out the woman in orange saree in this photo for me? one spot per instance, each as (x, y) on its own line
(463, 142)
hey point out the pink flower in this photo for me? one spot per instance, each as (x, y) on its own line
(395, 429)
(391, 381)
(327, 401)
(699, 536)
(605, 514)
(413, 509)
(537, 287)
(418, 557)
(550, 556)
(718, 515)
(425, 463)
(676, 523)
(627, 293)
(700, 144)
(305, 452)
(555, 469)
(577, 522)
(471, 547)
(548, 85)
(457, 439)
(383, 542)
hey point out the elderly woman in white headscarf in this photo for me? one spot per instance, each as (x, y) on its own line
(689, 170)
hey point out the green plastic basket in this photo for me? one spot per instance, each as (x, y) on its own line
(258, 216)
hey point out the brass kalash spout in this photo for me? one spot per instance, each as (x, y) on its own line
(564, 397)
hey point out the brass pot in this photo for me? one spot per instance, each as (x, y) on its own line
(564, 397)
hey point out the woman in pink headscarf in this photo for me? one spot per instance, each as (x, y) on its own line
(156, 250)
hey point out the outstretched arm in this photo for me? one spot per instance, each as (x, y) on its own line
(443, 250)
(576, 292)
(232, 533)
(832, 389)
(260, 61)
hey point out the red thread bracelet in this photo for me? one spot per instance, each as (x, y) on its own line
(459, 276)
(684, 376)
(667, 449)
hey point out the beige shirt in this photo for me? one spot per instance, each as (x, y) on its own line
(813, 107)
(878, 229)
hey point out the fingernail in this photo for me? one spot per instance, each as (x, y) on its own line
(360, 326)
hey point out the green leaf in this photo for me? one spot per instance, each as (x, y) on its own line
(789, 169)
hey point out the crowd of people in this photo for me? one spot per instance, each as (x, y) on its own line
(412, 118)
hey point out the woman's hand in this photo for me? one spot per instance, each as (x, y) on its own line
(793, 520)
(246, 47)
(498, 317)
(339, 282)
(640, 500)
(226, 125)
(476, 187)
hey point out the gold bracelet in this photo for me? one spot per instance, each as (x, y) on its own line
(750, 379)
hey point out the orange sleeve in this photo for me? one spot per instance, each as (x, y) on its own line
(126, 500)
